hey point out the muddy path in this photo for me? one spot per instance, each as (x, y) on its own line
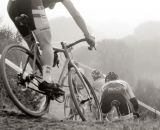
(10, 120)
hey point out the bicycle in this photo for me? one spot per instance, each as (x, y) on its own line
(22, 73)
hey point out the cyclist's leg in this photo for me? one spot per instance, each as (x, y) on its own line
(38, 21)
(43, 35)
(16, 8)
(124, 106)
(105, 102)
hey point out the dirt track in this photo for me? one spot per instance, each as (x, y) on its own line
(14, 121)
(54, 120)
(11, 120)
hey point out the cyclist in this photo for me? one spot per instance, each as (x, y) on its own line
(38, 22)
(99, 81)
(115, 89)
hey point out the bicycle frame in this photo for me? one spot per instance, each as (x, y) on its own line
(65, 50)
(69, 63)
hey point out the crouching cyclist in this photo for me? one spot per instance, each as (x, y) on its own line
(117, 95)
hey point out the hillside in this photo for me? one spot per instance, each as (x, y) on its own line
(132, 57)
(137, 55)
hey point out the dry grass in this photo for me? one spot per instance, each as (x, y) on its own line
(56, 111)
(25, 123)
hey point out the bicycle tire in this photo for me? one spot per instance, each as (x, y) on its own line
(87, 87)
(9, 82)
(69, 109)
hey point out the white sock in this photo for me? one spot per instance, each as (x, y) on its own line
(47, 71)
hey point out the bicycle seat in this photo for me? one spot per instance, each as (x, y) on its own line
(115, 103)
(22, 20)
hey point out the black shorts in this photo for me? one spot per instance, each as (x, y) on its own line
(34, 9)
(107, 99)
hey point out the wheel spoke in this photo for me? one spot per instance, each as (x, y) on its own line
(20, 82)
(84, 97)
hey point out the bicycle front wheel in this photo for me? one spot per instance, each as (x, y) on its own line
(20, 82)
(83, 96)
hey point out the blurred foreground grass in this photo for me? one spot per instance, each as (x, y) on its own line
(125, 125)
(14, 121)
(119, 125)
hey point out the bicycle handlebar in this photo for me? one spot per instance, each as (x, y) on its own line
(71, 45)
(81, 40)
(76, 42)
(66, 47)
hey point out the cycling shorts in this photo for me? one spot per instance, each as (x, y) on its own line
(107, 99)
(34, 9)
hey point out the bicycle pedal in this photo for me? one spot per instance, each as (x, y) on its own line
(59, 93)
(53, 95)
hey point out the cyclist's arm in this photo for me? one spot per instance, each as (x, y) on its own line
(133, 99)
(76, 16)
(129, 91)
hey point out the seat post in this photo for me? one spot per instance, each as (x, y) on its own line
(35, 38)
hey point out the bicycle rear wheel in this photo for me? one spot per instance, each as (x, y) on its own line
(83, 96)
(20, 82)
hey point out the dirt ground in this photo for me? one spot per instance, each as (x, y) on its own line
(54, 120)
(10, 120)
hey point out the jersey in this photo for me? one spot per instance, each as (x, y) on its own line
(119, 84)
